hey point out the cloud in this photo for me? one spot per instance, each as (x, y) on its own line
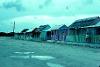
(45, 4)
(88, 2)
(54, 7)
(13, 4)
(30, 21)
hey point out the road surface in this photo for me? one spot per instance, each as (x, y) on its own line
(18, 53)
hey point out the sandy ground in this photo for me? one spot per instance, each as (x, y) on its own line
(18, 53)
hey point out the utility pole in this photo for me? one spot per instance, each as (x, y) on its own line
(14, 28)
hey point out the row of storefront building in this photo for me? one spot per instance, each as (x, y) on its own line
(86, 30)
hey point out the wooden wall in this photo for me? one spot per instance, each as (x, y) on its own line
(79, 35)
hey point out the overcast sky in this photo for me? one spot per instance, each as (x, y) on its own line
(32, 13)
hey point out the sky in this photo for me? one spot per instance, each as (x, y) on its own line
(32, 13)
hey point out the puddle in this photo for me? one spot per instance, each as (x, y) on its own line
(54, 65)
(43, 57)
(20, 57)
(34, 57)
(24, 52)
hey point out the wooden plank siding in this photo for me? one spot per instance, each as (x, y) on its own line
(82, 38)
(85, 30)
(96, 39)
(79, 35)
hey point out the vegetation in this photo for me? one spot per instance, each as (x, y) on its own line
(6, 34)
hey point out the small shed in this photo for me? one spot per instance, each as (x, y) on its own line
(17, 35)
(79, 30)
(95, 32)
(22, 34)
(38, 33)
(43, 35)
(57, 33)
(28, 34)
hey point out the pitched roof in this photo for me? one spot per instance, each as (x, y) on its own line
(56, 27)
(24, 30)
(85, 22)
(42, 27)
(30, 30)
(96, 25)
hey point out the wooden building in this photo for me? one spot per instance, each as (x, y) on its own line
(57, 33)
(94, 33)
(38, 33)
(82, 31)
(21, 35)
(28, 34)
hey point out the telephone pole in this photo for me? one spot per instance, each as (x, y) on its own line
(14, 28)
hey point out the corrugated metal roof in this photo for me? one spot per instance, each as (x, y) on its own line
(85, 22)
(56, 27)
(96, 25)
(42, 27)
(24, 30)
(87, 19)
(30, 30)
